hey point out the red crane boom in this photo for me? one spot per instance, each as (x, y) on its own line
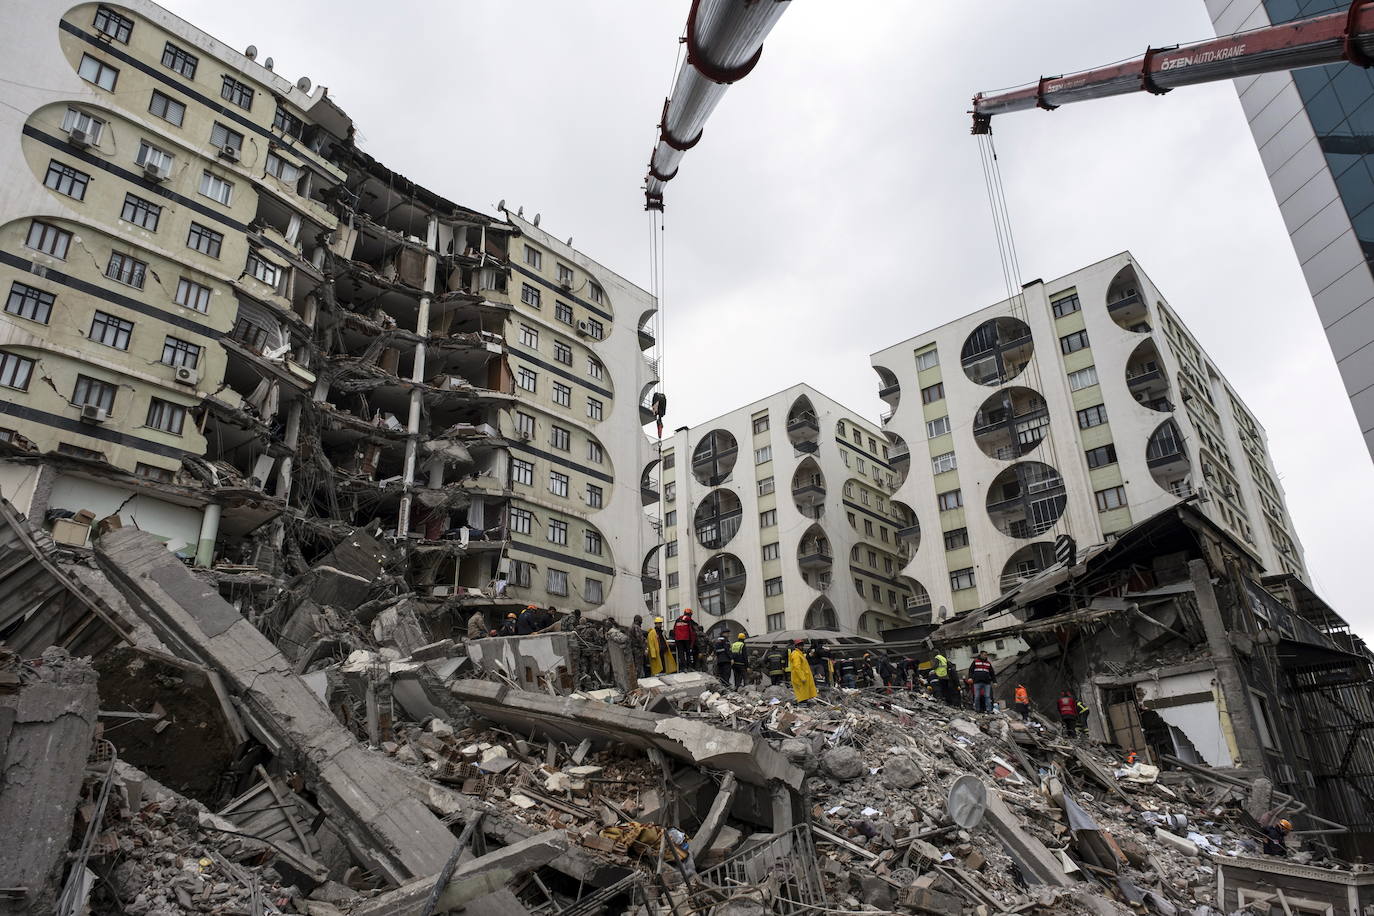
(1327, 39)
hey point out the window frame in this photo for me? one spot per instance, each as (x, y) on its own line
(562, 394)
(192, 291)
(1096, 412)
(962, 579)
(86, 386)
(120, 329)
(208, 177)
(180, 353)
(75, 180)
(23, 298)
(950, 500)
(169, 107)
(236, 92)
(558, 483)
(12, 367)
(130, 270)
(123, 25)
(1074, 341)
(160, 412)
(100, 69)
(557, 532)
(140, 212)
(562, 352)
(521, 471)
(213, 240)
(181, 60)
(956, 539)
(1107, 495)
(932, 393)
(49, 233)
(1057, 306)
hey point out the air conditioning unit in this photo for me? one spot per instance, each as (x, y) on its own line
(185, 375)
(584, 328)
(565, 286)
(79, 137)
(230, 152)
(92, 414)
(154, 171)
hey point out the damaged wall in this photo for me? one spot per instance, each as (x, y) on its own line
(179, 526)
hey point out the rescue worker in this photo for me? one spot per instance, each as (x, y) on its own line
(940, 665)
(661, 660)
(819, 657)
(508, 628)
(1021, 702)
(887, 671)
(1131, 758)
(739, 661)
(722, 650)
(934, 683)
(868, 672)
(911, 672)
(477, 626)
(685, 639)
(525, 624)
(983, 676)
(775, 663)
(638, 647)
(1275, 836)
(847, 672)
(803, 684)
(1068, 713)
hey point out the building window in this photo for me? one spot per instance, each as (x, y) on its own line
(177, 352)
(522, 471)
(560, 438)
(520, 573)
(592, 591)
(673, 579)
(140, 212)
(595, 369)
(563, 312)
(153, 472)
(761, 424)
(527, 378)
(558, 532)
(558, 483)
(158, 158)
(241, 94)
(942, 463)
(287, 123)
(15, 370)
(596, 293)
(561, 351)
(1092, 416)
(524, 425)
(594, 409)
(669, 461)
(937, 427)
(529, 337)
(192, 295)
(165, 416)
(48, 239)
(768, 518)
(776, 622)
(950, 499)
(111, 331)
(960, 579)
(108, 22)
(762, 455)
(772, 587)
(534, 257)
(94, 70)
(529, 295)
(1065, 305)
(262, 270)
(206, 241)
(1083, 378)
(249, 334)
(167, 108)
(1101, 456)
(179, 61)
(670, 519)
(860, 465)
(558, 582)
(124, 269)
(772, 551)
(279, 168)
(591, 542)
(92, 127)
(66, 180)
(565, 275)
(595, 496)
(765, 486)
(868, 528)
(562, 394)
(956, 539)
(216, 188)
(670, 491)
(1072, 343)
(670, 549)
(927, 360)
(91, 392)
(595, 453)
(30, 303)
(932, 393)
(595, 329)
(1110, 498)
(223, 137)
(521, 520)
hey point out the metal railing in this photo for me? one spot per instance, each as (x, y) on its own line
(782, 874)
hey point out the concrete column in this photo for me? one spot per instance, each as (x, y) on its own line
(209, 530)
(417, 375)
(1233, 690)
(291, 437)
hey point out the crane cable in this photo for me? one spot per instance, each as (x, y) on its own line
(1011, 273)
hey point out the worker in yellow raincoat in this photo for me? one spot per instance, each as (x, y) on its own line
(803, 683)
(661, 659)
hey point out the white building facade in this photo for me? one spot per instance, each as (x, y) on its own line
(779, 516)
(1078, 408)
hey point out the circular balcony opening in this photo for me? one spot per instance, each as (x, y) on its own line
(908, 530)
(814, 558)
(1011, 423)
(720, 584)
(917, 600)
(997, 351)
(649, 577)
(821, 616)
(803, 428)
(808, 488)
(898, 456)
(889, 389)
(729, 630)
(717, 519)
(714, 458)
(1027, 562)
(1146, 378)
(1167, 456)
(1125, 302)
(1026, 499)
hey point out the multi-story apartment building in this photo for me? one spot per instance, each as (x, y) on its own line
(1312, 129)
(779, 516)
(1078, 407)
(226, 323)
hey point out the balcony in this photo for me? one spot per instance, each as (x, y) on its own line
(888, 391)
(814, 556)
(899, 454)
(909, 532)
(646, 337)
(1165, 458)
(806, 421)
(1127, 302)
(648, 494)
(886, 416)
(1143, 378)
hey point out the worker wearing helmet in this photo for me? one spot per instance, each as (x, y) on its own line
(803, 684)
(721, 649)
(661, 660)
(685, 639)
(739, 661)
(508, 627)
(1275, 836)
(1021, 702)
(527, 622)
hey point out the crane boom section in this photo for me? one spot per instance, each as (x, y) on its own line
(1312, 42)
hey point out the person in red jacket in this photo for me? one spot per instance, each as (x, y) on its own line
(685, 640)
(1068, 712)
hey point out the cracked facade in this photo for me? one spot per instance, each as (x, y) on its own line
(227, 324)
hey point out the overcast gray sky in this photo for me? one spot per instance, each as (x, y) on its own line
(836, 203)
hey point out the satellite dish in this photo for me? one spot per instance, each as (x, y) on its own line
(303, 84)
(520, 212)
(251, 53)
(967, 801)
(569, 241)
(502, 205)
(268, 63)
(944, 612)
(536, 219)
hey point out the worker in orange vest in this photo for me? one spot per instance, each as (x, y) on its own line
(1021, 702)
(1131, 758)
